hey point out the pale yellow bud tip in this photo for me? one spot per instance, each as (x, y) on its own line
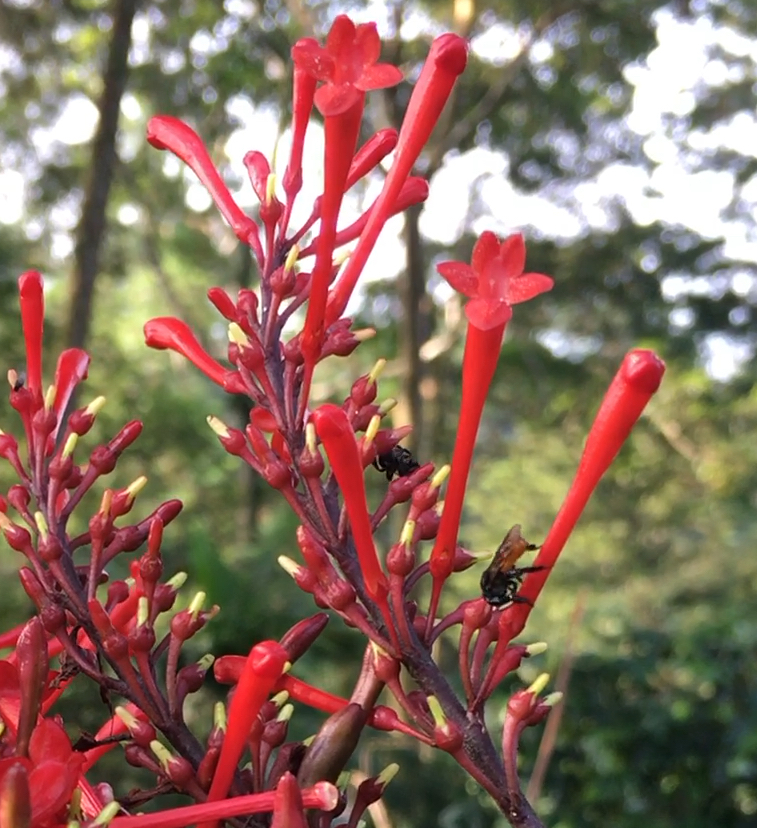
(70, 444)
(52, 393)
(389, 772)
(553, 698)
(341, 257)
(136, 487)
(285, 714)
(364, 334)
(219, 716)
(218, 426)
(125, 716)
(441, 475)
(280, 699)
(162, 754)
(196, 604)
(310, 438)
(292, 257)
(206, 662)
(270, 187)
(377, 370)
(373, 427)
(408, 530)
(142, 610)
(237, 335)
(41, 522)
(108, 813)
(540, 683)
(178, 580)
(537, 648)
(288, 565)
(440, 720)
(386, 406)
(95, 407)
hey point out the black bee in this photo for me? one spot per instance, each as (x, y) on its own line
(502, 579)
(398, 461)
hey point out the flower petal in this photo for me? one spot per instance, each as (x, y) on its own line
(460, 276)
(379, 76)
(512, 254)
(486, 314)
(527, 286)
(309, 56)
(341, 35)
(72, 368)
(484, 251)
(334, 99)
(168, 133)
(168, 332)
(368, 42)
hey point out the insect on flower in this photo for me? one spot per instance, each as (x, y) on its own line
(502, 579)
(398, 461)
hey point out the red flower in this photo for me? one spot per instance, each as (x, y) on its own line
(494, 280)
(53, 768)
(347, 65)
(73, 363)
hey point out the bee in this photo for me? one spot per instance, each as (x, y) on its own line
(502, 579)
(398, 461)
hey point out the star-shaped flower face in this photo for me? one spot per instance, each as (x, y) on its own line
(347, 65)
(494, 280)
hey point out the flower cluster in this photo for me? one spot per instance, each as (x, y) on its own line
(107, 629)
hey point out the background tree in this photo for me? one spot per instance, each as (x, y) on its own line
(553, 132)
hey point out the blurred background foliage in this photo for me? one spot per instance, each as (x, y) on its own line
(660, 721)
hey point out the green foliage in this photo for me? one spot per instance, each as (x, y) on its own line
(660, 715)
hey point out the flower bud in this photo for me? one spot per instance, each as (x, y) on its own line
(223, 303)
(299, 638)
(15, 797)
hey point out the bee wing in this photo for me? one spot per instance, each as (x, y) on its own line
(510, 550)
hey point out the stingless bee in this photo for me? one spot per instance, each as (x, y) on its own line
(399, 461)
(502, 579)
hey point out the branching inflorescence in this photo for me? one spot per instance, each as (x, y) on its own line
(107, 630)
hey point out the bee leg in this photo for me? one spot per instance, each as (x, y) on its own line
(526, 569)
(518, 599)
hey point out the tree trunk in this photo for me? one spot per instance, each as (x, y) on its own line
(92, 225)
(412, 327)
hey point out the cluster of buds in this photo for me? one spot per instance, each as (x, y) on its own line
(107, 630)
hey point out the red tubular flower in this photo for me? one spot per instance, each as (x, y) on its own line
(53, 769)
(371, 154)
(167, 332)
(15, 796)
(333, 427)
(314, 697)
(496, 280)
(262, 670)
(167, 133)
(347, 65)
(72, 368)
(32, 300)
(414, 191)
(637, 379)
(303, 92)
(524, 709)
(446, 60)
(287, 807)
(32, 663)
(323, 796)
(341, 133)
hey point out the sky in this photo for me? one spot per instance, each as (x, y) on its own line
(668, 83)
